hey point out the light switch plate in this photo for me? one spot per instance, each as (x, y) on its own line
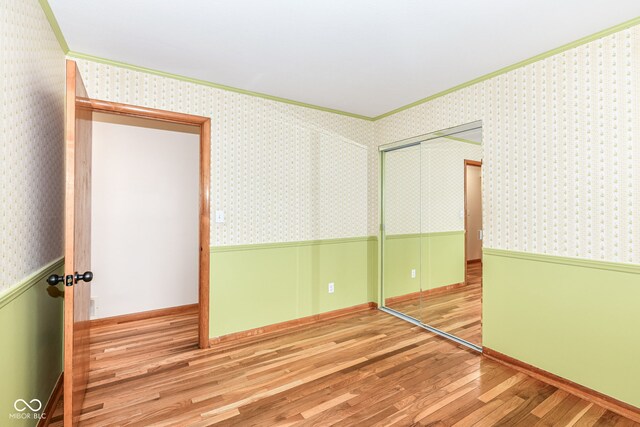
(219, 216)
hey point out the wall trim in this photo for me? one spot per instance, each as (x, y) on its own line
(33, 279)
(78, 55)
(46, 8)
(54, 398)
(466, 141)
(143, 315)
(290, 325)
(576, 262)
(426, 293)
(539, 57)
(432, 234)
(65, 48)
(233, 248)
(607, 402)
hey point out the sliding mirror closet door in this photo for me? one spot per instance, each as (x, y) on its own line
(451, 302)
(402, 246)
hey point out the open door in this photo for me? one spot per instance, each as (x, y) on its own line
(77, 246)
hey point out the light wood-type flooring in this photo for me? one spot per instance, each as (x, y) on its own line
(364, 369)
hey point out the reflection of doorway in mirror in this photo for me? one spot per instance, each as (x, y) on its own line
(424, 220)
(473, 220)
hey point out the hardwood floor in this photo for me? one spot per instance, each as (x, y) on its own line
(474, 273)
(366, 369)
(456, 311)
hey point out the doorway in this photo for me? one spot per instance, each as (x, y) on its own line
(473, 222)
(79, 111)
(95, 106)
(144, 218)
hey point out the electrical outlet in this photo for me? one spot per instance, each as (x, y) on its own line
(413, 273)
(332, 287)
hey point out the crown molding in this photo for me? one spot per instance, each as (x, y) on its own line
(65, 48)
(78, 55)
(44, 4)
(627, 24)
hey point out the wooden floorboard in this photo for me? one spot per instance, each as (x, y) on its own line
(456, 311)
(366, 369)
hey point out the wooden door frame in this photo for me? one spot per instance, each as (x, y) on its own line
(204, 123)
(77, 244)
(466, 264)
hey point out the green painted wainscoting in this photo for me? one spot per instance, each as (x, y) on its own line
(372, 275)
(259, 285)
(31, 336)
(575, 318)
(438, 259)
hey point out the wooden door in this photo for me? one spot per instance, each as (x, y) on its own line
(473, 210)
(77, 245)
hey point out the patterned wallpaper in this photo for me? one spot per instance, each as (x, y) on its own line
(402, 191)
(561, 148)
(31, 158)
(280, 172)
(561, 151)
(443, 183)
(424, 186)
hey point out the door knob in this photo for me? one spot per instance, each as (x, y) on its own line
(87, 276)
(54, 279)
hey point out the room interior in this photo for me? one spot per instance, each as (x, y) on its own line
(276, 213)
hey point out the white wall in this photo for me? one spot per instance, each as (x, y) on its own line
(145, 215)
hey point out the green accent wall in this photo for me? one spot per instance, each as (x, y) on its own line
(575, 318)
(372, 274)
(259, 285)
(438, 259)
(31, 337)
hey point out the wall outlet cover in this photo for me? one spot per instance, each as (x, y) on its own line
(332, 287)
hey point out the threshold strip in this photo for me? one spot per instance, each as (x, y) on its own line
(431, 329)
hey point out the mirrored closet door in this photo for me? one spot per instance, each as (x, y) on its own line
(444, 249)
(401, 237)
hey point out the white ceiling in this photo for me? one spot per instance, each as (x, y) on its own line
(360, 56)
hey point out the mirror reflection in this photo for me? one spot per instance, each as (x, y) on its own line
(402, 242)
(432, 260)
